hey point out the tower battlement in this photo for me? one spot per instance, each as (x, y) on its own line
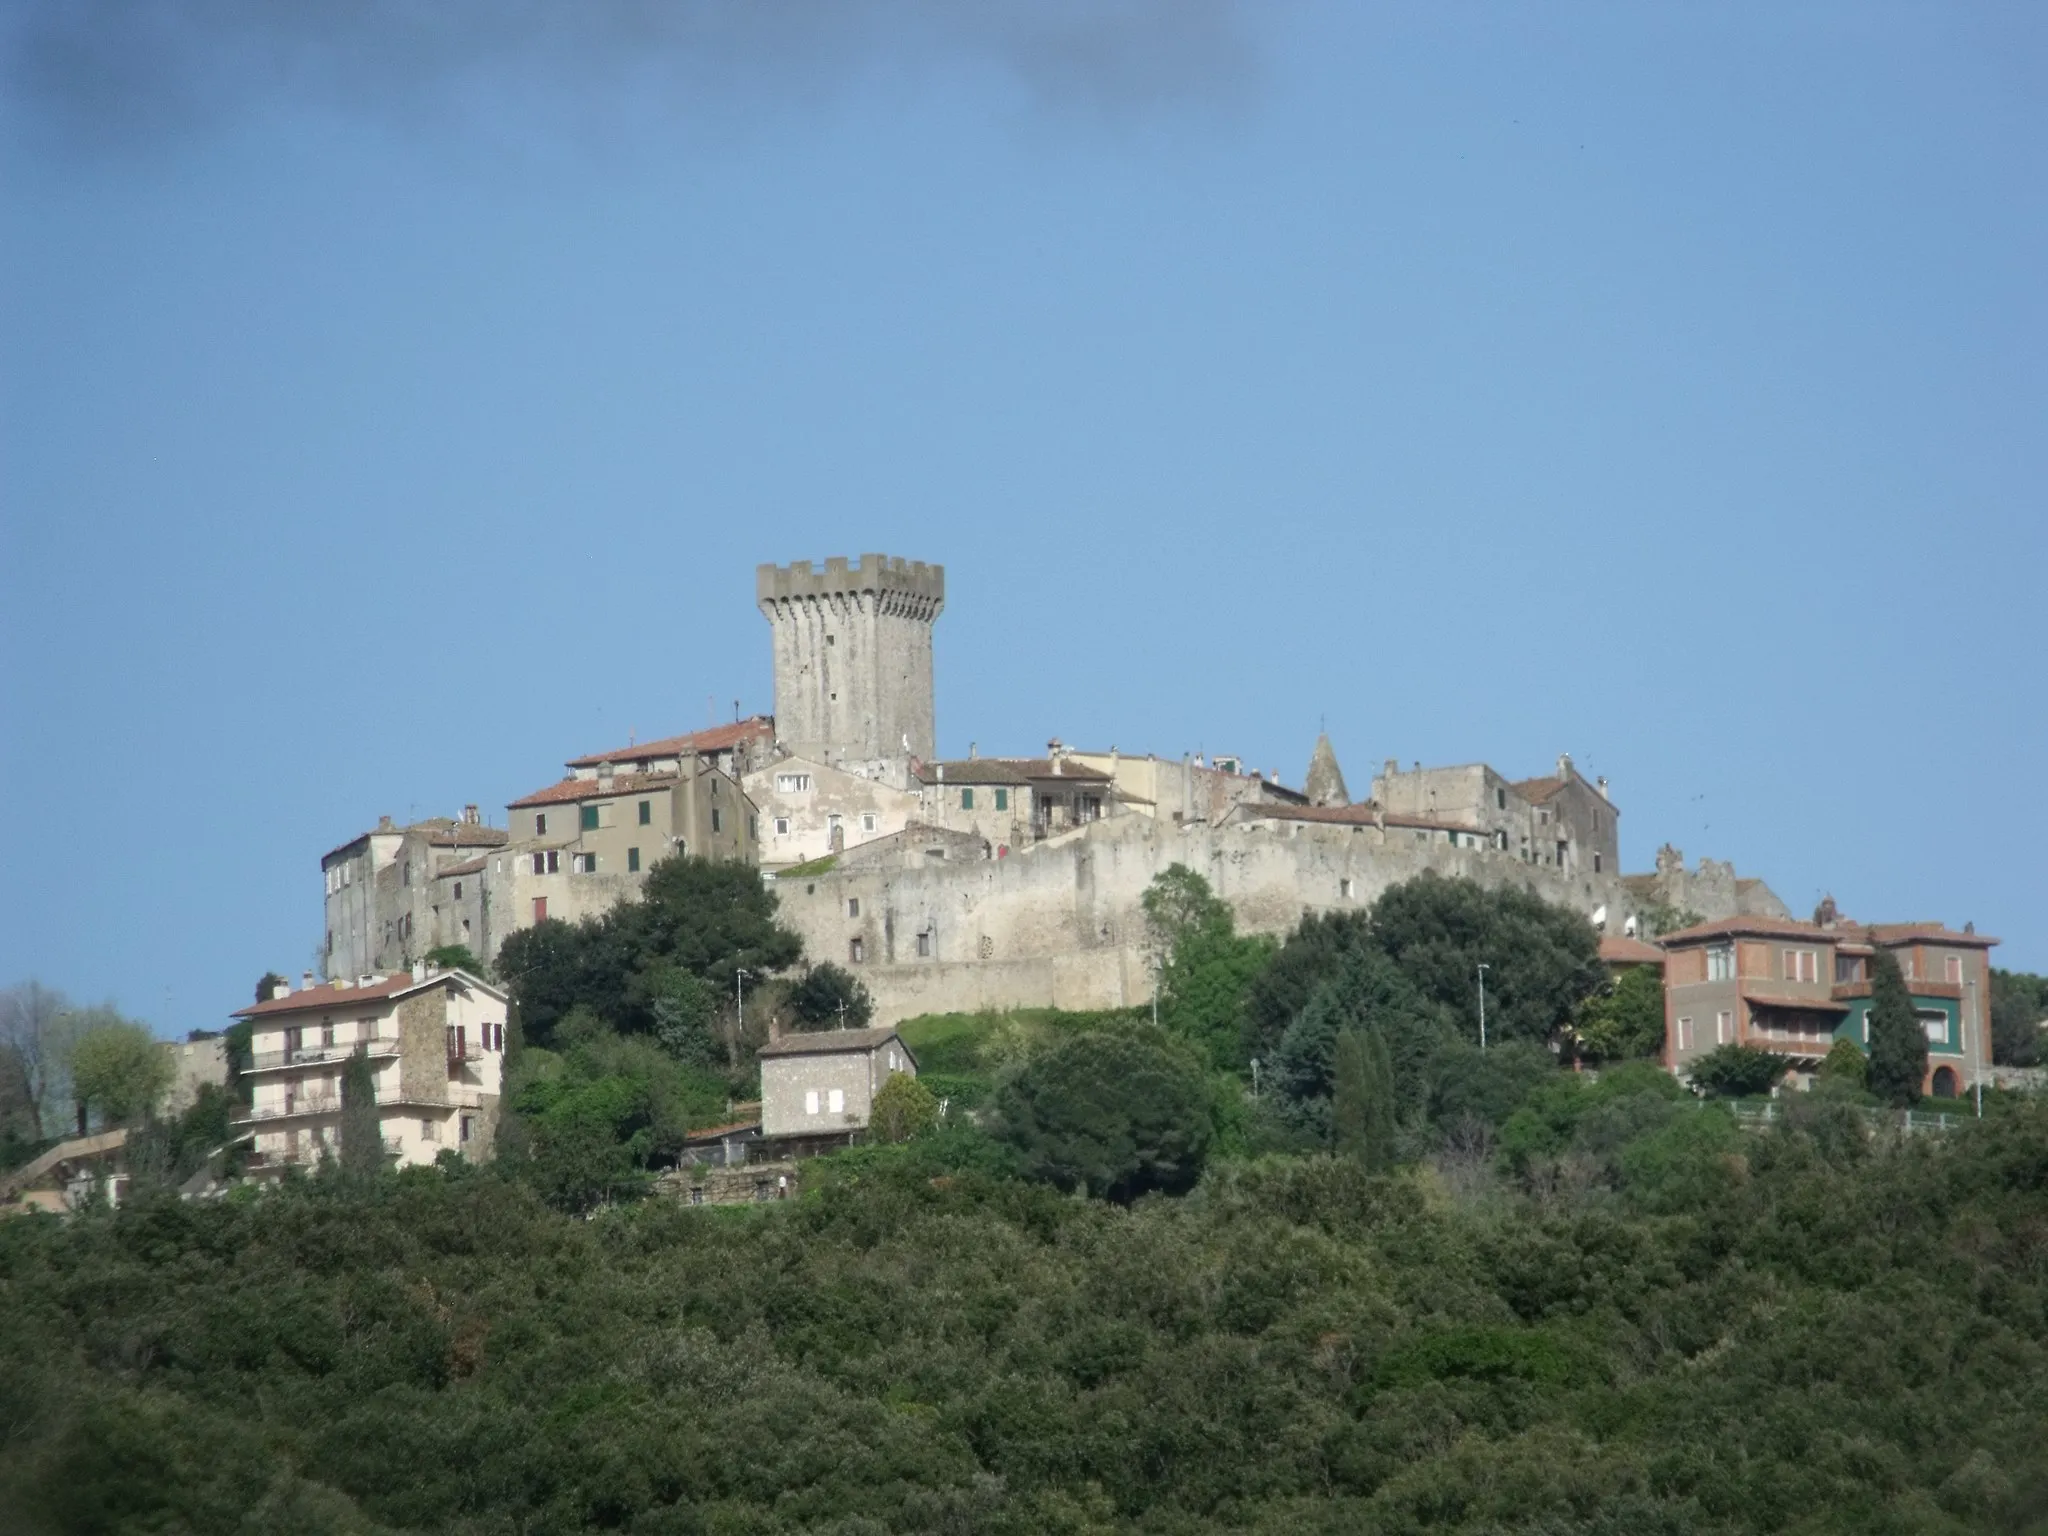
(853, 655)
(871, 573)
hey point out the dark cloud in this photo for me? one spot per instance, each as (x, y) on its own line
(122, 71)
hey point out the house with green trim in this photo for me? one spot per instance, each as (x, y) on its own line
(1796, 988)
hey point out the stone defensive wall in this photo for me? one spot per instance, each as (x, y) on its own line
(1061, 924)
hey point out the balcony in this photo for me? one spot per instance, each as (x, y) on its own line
(312, 1055)
(309, 1156)
(311, 1106)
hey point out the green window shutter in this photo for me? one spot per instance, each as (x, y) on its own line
(646, 812)
(1002, 799)
(633, 861)
(589, 818)
(966, 799)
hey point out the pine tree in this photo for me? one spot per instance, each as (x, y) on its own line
(362, 1137)
(1898, 1045)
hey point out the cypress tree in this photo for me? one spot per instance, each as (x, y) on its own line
(362, 1138)
(1362, 1099)
(1898, 1045)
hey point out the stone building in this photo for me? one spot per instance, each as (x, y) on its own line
(381, 894)
(1185, 789)
(1796, 988)
(435, 1041)
(1711, 890)
(823, 1083)
(853, 659)
(586, 842)
(808, 809)
(1558, 822)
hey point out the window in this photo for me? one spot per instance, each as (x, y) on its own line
(1500, 799)
(792, 783)
(717, 818)
(1724, 1027)
(924, 944)
(540, 909)
(867, 821)
(430, 1131)
(458, 890)
(782, 826)
(547, 862)
(1802, 965)
(835, 1101)
(327, 1032)
(584, 864)
(632, 861)
(966, 799)
(540, 823)
(405, 873)
(1344, 890)
(1952, 968)
(856, 951)
(467, 1122)
(646, 813)
(810, 1101)
(1848, 968)
(1721, 963)
(1685, 1034)
(1002, 799)
(831, 639)
(853, 906)
(587, 817)
(1936, 1025)
(1906, 964)
(465, 930)
(1596, 863)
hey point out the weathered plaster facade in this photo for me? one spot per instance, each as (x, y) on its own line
(824, 1083)
(807, 809)
(1561, 822)
(381, 891)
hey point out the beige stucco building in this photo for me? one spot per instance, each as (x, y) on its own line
(435, 1042)
(807, 809)
(824, 1083)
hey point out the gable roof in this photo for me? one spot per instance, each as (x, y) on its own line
(569, 791)
(718, 738)
(1538, 791)
(1753, 927)
(466, 867)
(972, 770)
(1042, 768)
(332, 995)
(831, 1042)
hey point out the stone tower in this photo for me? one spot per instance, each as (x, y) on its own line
(853, 656)
(1325, 782)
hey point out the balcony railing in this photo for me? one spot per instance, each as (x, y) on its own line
(311, 1055)
(307, 1106)
(309, 1156)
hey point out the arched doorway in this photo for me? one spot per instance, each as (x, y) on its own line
(1944, 1082)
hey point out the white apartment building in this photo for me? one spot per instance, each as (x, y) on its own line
(436, 1046)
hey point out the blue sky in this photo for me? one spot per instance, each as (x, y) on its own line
(395, 408)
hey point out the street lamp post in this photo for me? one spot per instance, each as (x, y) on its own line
(1483, 968)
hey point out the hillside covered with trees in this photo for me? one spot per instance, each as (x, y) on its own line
(1301, 1256)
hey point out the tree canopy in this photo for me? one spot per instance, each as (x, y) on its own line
(1898, 1041)
(119, 1072)
(1116, 1112)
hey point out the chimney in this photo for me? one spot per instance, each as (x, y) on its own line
(279, 988)
(1393, 766)
(305, 982)
(419, 970)
(973, 750)
(1601, 785)
(605, 771)
(1564, 765)
(470, 818)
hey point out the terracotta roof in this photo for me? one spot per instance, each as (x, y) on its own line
(330, 995)
(1041, 768)
(569, 791)
(1804, 1004)
(1937, 933)
(1537, 791)
(717, 739)
(1620, 949)
(1363, 814)
(468, 835)
(972, 770)
(827, 1042)
(1752, 927)
(466, 867)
